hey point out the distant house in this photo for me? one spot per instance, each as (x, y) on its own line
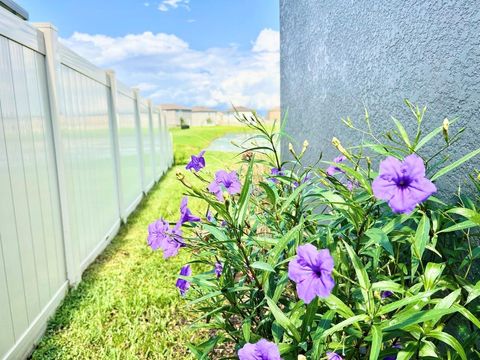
(274, 114)
(204, 116)
(175, 113)
(230, 116)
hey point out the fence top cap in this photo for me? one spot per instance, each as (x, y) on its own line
(44, 25)
(14, 8)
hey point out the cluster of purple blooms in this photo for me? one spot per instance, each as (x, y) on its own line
(401, 183)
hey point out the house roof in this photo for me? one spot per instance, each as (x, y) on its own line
(239, 109)
(174, 107)
(276, 108)
(202, 109)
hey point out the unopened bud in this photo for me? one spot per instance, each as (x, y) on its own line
(445, 126)
(180, 175)
(226, 195)
(478, 177)
(339, 146)
(301, 357)
(290, 148)
(304, 148)
(369, 161)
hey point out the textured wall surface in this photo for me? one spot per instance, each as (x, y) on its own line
(339, 56)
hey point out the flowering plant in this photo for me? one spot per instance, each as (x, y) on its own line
(336, 260)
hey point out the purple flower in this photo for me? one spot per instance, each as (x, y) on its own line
(197, 162)
(385, 294)
(186, 214)
(262, 350)
(352, 184)
(403, 183)
(311, 270)
(275, 172)
(307, 178)
(333, 356)
(218, 269)
(224, 181)
(183, 284)
(161, 236)
(393, 357)
(332, 170)
(209, 216)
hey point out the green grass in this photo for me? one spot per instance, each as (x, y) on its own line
(127, 306)
(191, 141)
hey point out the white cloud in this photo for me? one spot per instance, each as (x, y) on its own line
(166, 5)
(167, 69)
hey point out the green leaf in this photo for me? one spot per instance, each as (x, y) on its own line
(322, 325)
(308, 317)
(377, 236)
(447, 302)
(388, 285)
(422, 236)
(341, 325)
(293, 196)
(460, 226)
(467, 213)
(283, 243)
(455, 164)
(271, 196)
(401, 321)
(247, 329)
(450, 341)
(432, 274)
(406, 301)
(403, 133)
(362, 276)
(282, 319)
(430, 136)
(260, 265)
(338, 306)
(377, 337)
(467, 314)
(244, 199)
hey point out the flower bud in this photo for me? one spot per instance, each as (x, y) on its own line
(339, 147)
(304, 148)
(301, 357)
(226, 195)
(180, 175)
(445, 126)
(290, 148)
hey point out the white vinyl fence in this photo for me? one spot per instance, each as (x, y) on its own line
(78, 150)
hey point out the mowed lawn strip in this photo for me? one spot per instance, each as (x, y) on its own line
(127, 306)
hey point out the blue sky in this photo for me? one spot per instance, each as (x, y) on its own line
(193, 52)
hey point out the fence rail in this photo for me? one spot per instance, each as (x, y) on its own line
(78, 150)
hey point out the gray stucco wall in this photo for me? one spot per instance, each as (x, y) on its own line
(339, 56)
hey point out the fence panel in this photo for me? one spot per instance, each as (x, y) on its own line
(33, 273)
(73, 163)
(130, 152)
(147, 145)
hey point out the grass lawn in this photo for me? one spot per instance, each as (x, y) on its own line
(127, 306)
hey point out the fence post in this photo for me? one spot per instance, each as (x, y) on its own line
(53, 68)
(113, 119)
(138, 124)
(152, 139)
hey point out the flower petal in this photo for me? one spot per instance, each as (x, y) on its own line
(249, 352)
(298, 272)
(306, 289)
(415, 166)
(307, 254)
